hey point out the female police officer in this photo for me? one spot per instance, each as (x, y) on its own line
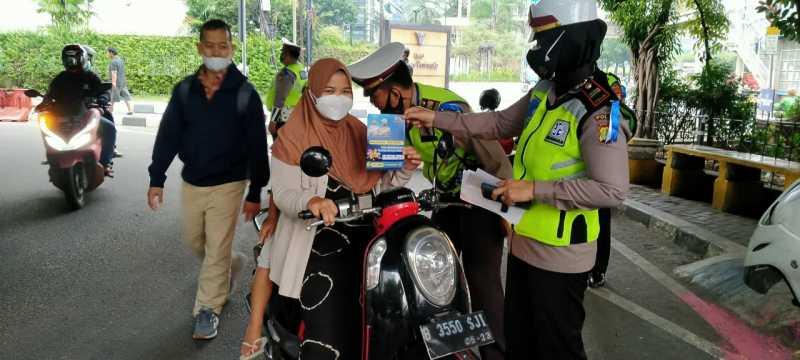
(571, 160)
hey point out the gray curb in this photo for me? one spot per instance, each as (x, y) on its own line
(683, 233)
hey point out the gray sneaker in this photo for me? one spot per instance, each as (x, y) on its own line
(205, 325)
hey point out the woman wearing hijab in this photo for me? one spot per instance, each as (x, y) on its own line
(317, 272)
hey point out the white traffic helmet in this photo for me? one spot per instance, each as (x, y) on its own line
(547, 14)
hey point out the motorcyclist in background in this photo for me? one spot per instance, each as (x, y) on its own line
(77, 86)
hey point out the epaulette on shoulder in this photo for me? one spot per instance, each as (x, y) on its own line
(594, 96)
(430, 104)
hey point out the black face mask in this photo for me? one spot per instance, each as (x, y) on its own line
(397, 110)
(567, 54)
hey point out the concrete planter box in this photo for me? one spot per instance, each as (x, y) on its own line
(642, 164)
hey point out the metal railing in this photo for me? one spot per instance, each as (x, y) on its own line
(777, 137)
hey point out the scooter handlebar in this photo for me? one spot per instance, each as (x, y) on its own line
(306, 215)
(357, 216)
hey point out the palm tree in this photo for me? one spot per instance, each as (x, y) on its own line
(67, 15)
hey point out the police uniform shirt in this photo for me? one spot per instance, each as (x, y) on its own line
(284, 80)
(605, 187)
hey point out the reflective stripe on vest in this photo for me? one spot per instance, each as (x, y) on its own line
(550, 151)
(449, 172)
(294, 93)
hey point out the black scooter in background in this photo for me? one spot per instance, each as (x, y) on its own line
(414, 295)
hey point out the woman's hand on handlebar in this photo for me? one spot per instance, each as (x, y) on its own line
(324, 209)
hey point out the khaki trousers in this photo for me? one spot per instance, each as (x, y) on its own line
(209, 224)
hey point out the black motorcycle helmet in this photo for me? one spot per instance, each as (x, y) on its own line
(75, 57)
(490, 99)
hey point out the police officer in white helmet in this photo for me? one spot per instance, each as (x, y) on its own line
(571, 160)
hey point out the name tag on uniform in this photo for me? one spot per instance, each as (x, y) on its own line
(558, 134)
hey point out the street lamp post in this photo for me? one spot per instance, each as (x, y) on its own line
(309, 36)
(243, 33)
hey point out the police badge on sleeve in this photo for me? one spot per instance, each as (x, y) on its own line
(558, 134)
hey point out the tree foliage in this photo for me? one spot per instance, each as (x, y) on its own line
(200, 11)
(424, 11)
(500, 14)
(276, 23)
(335, 12)
(153, 64)
(710, 25)
(614, 56)
(67, 15)
(712, 95)
(508, 48)
(651, 29)
(783, 14)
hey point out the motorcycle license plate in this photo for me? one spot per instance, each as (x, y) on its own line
(453, 333)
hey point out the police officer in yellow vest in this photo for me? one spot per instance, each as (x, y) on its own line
(477, 233)
(571, 160)
(287, 89)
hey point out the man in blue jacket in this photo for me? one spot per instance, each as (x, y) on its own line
(214, 122)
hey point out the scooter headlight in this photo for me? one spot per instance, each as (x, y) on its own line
(374, 258)
(432, 264)
(59, 144)
(79, 140)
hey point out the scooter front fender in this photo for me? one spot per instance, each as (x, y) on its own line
(395, 308)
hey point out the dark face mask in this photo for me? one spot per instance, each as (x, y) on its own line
(397, 110)
(565, 50)
(544, 58)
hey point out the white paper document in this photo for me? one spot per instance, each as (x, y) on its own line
(471, 192)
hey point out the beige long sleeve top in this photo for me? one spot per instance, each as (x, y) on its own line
(286, 253)
(605, 186)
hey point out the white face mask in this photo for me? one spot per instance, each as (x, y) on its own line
(216, 63)
(334, 107)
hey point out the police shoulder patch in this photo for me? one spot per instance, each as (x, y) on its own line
(601, 120)
(430, 104)
(558, 133)
(602, 126)
(595, 93)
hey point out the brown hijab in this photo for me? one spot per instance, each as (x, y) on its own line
(345, 139)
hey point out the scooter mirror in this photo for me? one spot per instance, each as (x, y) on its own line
(445, 148)
(316, 161)
(259, 218)
(32, 93)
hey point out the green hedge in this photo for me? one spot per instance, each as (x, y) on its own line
(504, 75)
(154, 64)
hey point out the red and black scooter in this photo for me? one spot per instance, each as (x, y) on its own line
(72, 145)
(414, 295)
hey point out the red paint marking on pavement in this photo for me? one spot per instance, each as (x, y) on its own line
(747, 342)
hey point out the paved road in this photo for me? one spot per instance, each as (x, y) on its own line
(114, 281)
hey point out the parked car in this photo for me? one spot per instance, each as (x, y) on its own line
(774, 250)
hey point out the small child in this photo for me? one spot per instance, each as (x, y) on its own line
(260, 289)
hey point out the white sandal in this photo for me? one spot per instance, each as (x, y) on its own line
(258, 345)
